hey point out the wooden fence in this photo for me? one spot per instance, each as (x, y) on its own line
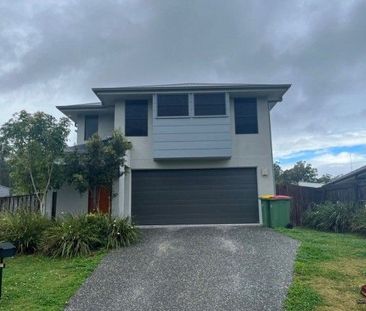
(302, 199)
(351, 190)
(12, 203)
(346, 192)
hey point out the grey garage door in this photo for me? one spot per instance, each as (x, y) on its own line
(207, 196)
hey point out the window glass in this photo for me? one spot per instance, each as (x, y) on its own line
(91, 126)
(172, 105)
(246, 119)
(136, 118)
(209, 104)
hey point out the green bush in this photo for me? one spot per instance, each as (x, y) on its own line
(70, 237)
(24, 229)
(80, 235)
(329, 216)
(121, 233)
(66, 237)
(99, 224)
(359, 221)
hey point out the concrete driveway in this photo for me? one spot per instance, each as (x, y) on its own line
(204, 268)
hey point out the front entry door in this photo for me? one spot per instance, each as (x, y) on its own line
(104, 201)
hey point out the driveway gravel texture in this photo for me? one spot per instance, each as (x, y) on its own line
(193, 268)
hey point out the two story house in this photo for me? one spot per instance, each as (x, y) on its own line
(201, 153)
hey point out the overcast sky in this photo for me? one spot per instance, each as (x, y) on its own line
(53, 53)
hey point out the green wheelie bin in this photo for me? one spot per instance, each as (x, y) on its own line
(275, 210)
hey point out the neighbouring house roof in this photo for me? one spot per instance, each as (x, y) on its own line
(355, 174)
(109, 95)
(4, 191)
(310, 184)
(81, 148)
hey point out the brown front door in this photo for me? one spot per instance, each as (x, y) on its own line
(104, 201)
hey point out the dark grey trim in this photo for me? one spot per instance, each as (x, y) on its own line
(193, 87)
(81, 106)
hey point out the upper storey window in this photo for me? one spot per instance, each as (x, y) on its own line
(209, 104)
(173, 105)
(246, 118)
(136, 118)
(91, 126)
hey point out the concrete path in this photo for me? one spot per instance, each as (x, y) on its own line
(205, 268)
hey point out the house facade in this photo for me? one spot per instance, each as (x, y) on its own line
(201, 153)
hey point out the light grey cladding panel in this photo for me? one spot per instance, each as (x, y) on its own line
(192, 154)
(192, 137)
(194, 145)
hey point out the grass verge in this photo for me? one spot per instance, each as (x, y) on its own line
(36, 282)
(329, 271)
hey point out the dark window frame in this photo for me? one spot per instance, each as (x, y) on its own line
(164, 107)
(202, 109)
(130, 130)
(87, 133)
(246, 115)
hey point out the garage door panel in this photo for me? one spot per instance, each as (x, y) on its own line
(195, 196)
(187, 204)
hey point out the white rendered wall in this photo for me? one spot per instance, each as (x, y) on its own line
(248, 150)
(69, 201)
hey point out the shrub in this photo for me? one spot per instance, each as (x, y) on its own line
(24, 229)
(121, 233)
(330, 216)
(99, 224)
(70, 237)
(79, 235)
(359, 221)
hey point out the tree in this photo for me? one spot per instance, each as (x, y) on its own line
(33, 145)
(277, 170)
(301, 171)
(325, 178)
(4, 172)
(97, 166)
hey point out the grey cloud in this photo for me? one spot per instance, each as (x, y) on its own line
(58, 50)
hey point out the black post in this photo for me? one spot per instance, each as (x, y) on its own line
(1, 274)
(54, 202)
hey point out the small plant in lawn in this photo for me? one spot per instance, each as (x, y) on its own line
(73, 236)
(121, 233)
(24, 229)
(331, 216)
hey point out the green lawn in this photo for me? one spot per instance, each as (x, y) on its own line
(41, 283)
(329, 271)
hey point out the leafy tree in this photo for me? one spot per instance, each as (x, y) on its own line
(277, 172)
(301, 171)
(33, 145)
(4, 172)
(325, 178)
(97, 166)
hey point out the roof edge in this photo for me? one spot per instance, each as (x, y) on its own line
(185, 87)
